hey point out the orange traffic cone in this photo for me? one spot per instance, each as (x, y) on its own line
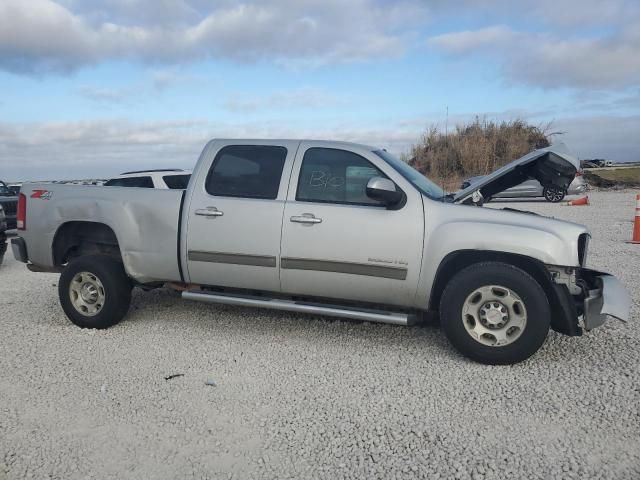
(636, 223)
(579, 201)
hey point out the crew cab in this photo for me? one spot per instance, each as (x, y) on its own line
(328, 228)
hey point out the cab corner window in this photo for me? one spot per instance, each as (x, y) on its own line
(248, 171)
(139, 182)
(177, 182)
(331, 175)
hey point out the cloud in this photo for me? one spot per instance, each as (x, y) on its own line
(470, 41)
(544, 60)
(602, 136)
(106, 95)
(585, 44)
(567, 14)
(42, 36)
(292, 99)
(163, 79)
(154, 84)
(576, 13)
(99, 149)
(95, 149)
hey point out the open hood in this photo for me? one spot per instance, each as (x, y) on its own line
(551, 166)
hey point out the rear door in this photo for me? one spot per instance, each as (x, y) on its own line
(235, 215)
(528, 188)
(337, 242)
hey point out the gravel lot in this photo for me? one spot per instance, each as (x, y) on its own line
(306, 397)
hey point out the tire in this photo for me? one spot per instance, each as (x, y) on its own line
(553, 195)
(3, 246)
(505, 341)
(107, 288)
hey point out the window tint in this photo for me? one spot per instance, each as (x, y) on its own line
(335, 176)
(177, 182)
(250, 171)
(141, 182)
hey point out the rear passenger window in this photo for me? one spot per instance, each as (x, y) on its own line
(177, 182)
(140, 182)
(249, 171)
(330, 175)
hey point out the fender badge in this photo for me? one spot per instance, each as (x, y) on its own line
(42, 194)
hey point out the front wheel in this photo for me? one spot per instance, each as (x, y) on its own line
(495, 313)
(94, 291)
(553, 194)
(3, 246)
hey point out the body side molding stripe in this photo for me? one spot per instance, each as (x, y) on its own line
(232, 258)
(395, 273)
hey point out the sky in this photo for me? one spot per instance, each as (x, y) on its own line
(89, 89)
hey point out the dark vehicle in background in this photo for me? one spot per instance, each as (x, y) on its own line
(3, 235)
(533, 188)
(173, 179)
(9, 203)
(517, 182)
(597, 163)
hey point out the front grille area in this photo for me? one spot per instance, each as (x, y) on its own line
(10, 207)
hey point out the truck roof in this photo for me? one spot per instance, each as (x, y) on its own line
(153, 171)
(329, 143)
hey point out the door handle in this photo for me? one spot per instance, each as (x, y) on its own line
(209, 212)
(308, 218)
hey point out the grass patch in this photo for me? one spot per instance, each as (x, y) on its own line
(614, 178)
(627, 174)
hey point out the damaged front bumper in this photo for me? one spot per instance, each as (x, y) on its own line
(604, 295)
(583, 298)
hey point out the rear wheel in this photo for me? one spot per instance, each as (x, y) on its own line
(495, 313)
(553, 194)
(94, 291)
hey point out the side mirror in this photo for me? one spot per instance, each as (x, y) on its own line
(384, 190)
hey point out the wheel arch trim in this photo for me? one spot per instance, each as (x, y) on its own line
(564, 316)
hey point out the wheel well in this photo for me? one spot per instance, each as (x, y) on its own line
(564, 317)
(456, 261)
(74, 239)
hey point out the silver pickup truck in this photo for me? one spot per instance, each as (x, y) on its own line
(328, 228)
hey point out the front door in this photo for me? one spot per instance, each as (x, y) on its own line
(235, 216)
(337, 242)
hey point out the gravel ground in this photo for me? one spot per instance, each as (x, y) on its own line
(305, 397)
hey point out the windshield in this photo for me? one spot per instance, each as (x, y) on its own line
(418, 180)
(4, 190)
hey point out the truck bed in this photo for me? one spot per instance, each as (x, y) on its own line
(145, 222)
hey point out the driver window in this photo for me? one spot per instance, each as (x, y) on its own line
(331, 175)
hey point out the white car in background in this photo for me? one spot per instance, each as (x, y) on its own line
(174, 179)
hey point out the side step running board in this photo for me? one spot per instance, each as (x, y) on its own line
(304, 307)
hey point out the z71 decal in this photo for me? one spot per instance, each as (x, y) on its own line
(42, 194)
